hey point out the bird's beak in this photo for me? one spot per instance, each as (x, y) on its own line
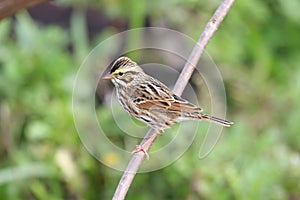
(107, 77)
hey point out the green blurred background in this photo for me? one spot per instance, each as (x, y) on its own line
(257, 49)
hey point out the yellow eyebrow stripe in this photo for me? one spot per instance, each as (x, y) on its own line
(119, 70)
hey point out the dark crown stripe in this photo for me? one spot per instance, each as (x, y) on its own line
(118, 63)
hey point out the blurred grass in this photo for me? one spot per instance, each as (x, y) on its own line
(257, 51)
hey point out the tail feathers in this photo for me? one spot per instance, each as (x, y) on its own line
(215, 120)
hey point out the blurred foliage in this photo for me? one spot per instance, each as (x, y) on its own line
(257, 51)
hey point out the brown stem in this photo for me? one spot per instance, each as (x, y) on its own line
(9, 7)
(181, 83)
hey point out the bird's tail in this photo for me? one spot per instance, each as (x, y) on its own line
(215, 120)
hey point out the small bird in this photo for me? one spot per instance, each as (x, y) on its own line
(150, 101)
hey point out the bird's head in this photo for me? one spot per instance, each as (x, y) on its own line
(123, 71)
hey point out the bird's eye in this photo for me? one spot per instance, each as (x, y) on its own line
(120, 73)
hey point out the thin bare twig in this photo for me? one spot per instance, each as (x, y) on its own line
(181, 83)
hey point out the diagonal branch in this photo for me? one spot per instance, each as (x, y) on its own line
(181, 83)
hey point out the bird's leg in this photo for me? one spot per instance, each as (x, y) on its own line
(161, 132)
(143, 148)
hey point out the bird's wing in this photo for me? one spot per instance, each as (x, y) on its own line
(179, 103)
(155, 95)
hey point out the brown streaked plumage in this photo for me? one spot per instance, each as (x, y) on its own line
(149, 100)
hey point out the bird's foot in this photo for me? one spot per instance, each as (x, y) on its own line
(139, 148)
(145, 146)
(161, 132)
